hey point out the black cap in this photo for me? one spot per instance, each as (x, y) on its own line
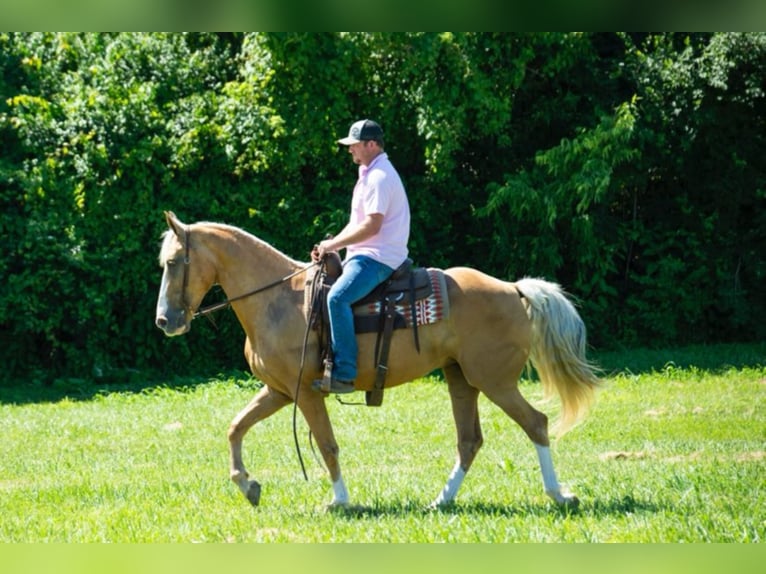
(363, 130)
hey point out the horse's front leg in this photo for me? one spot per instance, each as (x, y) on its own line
(314, 410)
(265, 403)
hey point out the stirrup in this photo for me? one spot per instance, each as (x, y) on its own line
(333, 386)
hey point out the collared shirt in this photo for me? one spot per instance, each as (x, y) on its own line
(379, 189)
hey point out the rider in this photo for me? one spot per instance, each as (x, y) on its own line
(375, 240)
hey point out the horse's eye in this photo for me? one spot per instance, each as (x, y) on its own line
(170, 262)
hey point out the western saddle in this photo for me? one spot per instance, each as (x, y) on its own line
(407, 284)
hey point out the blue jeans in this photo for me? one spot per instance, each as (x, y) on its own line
(360, 276)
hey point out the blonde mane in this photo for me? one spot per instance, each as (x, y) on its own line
(221, 229)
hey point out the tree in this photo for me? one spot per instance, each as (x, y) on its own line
(628, 167)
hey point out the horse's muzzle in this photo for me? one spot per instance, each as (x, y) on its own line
(173, 325)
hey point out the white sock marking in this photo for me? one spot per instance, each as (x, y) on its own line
(450, 489)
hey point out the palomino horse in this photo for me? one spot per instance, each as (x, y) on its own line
(492, 330)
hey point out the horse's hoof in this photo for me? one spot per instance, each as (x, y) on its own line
(254, 493)
(568, 501)
(438, 505)
(571, 502)
(565, 499)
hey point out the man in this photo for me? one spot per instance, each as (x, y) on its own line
(375, 240)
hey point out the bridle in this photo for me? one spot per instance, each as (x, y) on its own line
(227, 302)
(205, 311)
(187, 260)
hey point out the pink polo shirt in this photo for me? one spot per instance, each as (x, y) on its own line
(380, 190)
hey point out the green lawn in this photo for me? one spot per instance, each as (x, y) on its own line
(674, 452)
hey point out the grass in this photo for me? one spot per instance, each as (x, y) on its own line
(673, 453)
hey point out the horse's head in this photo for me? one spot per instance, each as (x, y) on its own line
(186, 278)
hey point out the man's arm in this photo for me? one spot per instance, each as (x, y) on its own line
(351, 234)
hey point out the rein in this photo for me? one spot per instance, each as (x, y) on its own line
(205, 311)
(223, 304)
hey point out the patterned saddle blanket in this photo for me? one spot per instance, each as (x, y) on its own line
(427, 303)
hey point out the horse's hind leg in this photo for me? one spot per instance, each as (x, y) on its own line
(505, 393)
(265, 403)
(465, 410)
(535, 424)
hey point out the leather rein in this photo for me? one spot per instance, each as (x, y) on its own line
(226, 303)
(206, 311)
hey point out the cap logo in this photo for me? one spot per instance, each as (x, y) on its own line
(363, 130)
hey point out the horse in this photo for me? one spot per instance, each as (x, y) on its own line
(493, 330)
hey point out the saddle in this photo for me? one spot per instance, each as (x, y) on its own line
(379, 312)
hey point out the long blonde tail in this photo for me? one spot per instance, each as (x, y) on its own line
(558, 350)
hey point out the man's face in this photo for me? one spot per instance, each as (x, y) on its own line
(363, 152)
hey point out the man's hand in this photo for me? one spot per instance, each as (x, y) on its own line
(320, 250)
(315, 257)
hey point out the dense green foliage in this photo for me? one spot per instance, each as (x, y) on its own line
(630, 168)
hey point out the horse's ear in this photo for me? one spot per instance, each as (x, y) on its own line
(174, 223)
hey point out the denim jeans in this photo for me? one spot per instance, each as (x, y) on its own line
(360, 276)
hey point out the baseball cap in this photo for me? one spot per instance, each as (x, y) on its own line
(363, 130)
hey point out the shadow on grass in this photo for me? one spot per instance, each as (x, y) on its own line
(717, 358)
(597, 508)
(41, 389)
(128, 382)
